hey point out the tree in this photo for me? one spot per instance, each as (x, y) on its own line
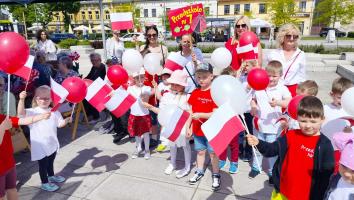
(282, 12)
(39, 13)
(66, 8)
(328, 12)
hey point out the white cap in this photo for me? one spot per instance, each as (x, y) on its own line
(141, 72)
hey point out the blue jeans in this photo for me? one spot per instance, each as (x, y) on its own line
(267, 137)
(201, 143)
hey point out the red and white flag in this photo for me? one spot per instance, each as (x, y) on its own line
(175, 61)
(222, 127)
(98, 94)
(173, 130)
(58, 94)
(120, 102)
(247, 52)
(122, 21)
(25, 71)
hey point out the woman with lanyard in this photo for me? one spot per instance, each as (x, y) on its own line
(115, 47)
(152, 45)
(291, 57)
(242, 24)
(46, 45)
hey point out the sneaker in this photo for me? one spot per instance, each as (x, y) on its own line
(147, 155)
(94, 121)
(117, 138)
(161, 148)
(216, 181)
(253, 173)
(233, 168)
(197, 176)
(169, 169)
(56, 179)
(246, 158)
(136, 154)
(50, 187)
(222, 164)
(182, 173)
(270, 180)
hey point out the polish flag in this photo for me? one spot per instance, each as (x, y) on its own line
(25, 71)
(58, 94)
(175, 61)
(177, 122)
(98, 94)
(120, 102)
(122, 21)
(222, 127)
(247, 52)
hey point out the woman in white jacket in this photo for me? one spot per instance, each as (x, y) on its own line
(115, 47)
(46, 45)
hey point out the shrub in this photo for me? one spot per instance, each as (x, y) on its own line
(67, 43)
(97, 44)
(84, 42)
(350, 34)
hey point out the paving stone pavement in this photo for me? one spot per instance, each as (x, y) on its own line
(97, 169)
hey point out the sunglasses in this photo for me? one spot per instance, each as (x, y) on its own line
(116, 33)
(241, 25)
(43, 99)
(151, 35)
(291, 37)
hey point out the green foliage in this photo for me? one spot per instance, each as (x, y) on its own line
(67, 43)
(204, 49)
(330, 11)
(321, 50)
(350, 34)
(38, 12)
(66, 8)
(83, 42)
(282, 11)
(128, 44)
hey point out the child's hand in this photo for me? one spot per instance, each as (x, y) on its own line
(273, 102)
(196, 115)
(154, 84)
(145, 97)
(146, 105)
(45, 115)
(189, 133)
(254, 111)
(252, 140)
(194, 57)
(23, 95)
(284, 124)
(6, 124)
(69, 120)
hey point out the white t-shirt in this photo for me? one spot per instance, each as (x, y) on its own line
(250, 92)
(297, 72)
(344, 191)
(332, 124)
(268, 115)
(162, 88)
(44, 140)
(137, 108)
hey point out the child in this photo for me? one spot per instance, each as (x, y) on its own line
(202, 107)
(307, 88)
(267, 106)
(341, 185)
(7, 161)
(234, 145)
(43, 134)
(305, 157)
(177, 96)
(139, 121)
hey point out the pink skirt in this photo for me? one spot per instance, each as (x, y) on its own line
(138, 125)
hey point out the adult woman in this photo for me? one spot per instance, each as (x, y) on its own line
(291, 57)
(194, 56)
(65, 69)
(242, 24)
(46, 45)
(115, 47)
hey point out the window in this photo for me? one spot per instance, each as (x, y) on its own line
(247, 7)
(90, 15)
(302, 6)
(97, 13)
(153, 12)
(237, 9)
(107, 14)
(262, 8)
(83, 15)
(226, 9)
(146, 13)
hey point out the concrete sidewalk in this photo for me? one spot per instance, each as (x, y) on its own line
(97, 169)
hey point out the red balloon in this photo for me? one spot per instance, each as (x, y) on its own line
(293, 104)
(117, 75)
(248, 37)
(88, 82)
(14, 52)
(258, 79)
(77, 89)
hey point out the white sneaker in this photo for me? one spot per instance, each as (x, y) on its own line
(182, 173)
(136, 154)
(147, 155)
(169, 169)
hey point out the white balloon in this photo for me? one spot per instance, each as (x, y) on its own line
(221, 58)
(165, 114)
(132, 60)
(347, 101)
(152, 63)
(226, 88)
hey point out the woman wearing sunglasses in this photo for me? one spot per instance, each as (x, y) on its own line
(242, 24)
(291, 57)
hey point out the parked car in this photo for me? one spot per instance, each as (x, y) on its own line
(57, 37)
(129, 37)
(324, 32)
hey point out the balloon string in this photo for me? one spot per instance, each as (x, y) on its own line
(8, 95)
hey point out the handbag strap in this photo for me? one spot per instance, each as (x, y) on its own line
(287, 71)
(163, 57)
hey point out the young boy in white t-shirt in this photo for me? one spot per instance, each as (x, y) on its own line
(267, 106)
